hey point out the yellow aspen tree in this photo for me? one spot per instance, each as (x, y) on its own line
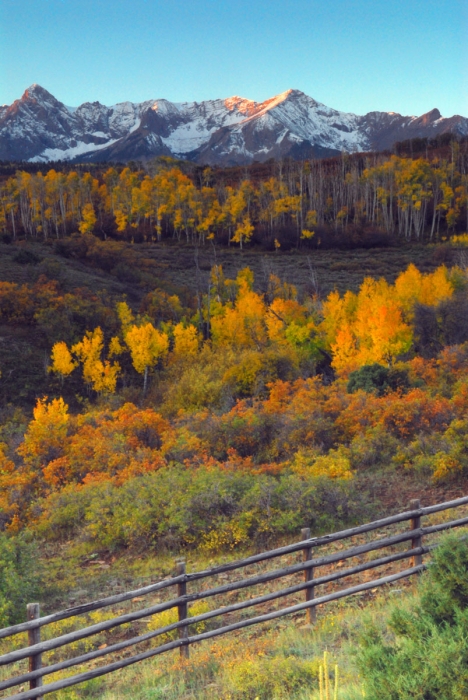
(436, 287)
(381, 333)
(90, 348)
(344, 349)
(243, 232)
(115, 347)
(379, 327)
(104, 376)
(412, 287)
(244, 281)
(408, 287)
(147, 345)
(104, 199)
(101, 375)
(46, 433)
(243, 325)
(10, 202)
(337, 312)
(62, 361)
(121, 219)
(3, 213)
(53, 182)
(234, 208)
(365, 328)
(88, 219)
(280, 314)
(125, 315)
(186, 340)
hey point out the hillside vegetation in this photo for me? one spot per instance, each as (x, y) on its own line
(352, 201)
(165, 393)
(238, 420)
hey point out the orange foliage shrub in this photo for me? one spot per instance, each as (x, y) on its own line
(126, 441)
(100, 445)
(401, 414)
(416, 412)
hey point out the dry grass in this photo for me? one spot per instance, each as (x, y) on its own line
(175, 266)
(221, 668)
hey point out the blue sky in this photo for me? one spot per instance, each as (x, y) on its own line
(353, 55)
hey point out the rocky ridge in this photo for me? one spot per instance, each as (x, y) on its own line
(232, 131)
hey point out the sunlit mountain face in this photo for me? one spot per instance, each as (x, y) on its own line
(231, 131)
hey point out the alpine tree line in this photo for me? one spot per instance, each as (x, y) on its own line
(319, 203)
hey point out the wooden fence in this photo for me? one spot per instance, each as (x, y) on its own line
(183, 580)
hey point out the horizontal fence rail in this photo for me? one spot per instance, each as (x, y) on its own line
(307, 567)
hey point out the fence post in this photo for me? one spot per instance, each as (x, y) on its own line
(415, 525)
(182, 609)
(34, 637)
(308, 576)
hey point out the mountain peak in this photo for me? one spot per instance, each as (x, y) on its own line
(287, 97)
(240, 104)
(288, 94)
(38, 94)
(228, 131)
(293, 92)
(35, 90)
(431, 116)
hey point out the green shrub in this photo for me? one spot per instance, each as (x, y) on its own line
(271, 677)
(126, 273)
(374, 447)
(19, 578)
(426, 658)
(377, 379)
(209, 508)
(26, 257)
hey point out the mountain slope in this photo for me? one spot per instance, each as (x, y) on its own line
(38, 127)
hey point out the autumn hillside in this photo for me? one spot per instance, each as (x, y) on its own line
(201, 362)
(182, 290)
(298, 325)
(148, 419)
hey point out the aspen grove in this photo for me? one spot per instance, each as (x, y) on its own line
(311, 203)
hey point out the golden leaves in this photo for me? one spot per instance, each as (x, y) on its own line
(243, 232)
(62, 361)
(47, 431)
(186, 340)
(147, 345)
(101, 375)
(373, 325)
(88, 219)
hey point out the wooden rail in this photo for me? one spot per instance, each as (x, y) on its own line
(308, 566)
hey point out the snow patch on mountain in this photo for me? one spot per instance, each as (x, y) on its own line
(69, 153)
(188, 137)
(125, 117)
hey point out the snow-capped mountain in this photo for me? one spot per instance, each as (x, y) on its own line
(229, 131)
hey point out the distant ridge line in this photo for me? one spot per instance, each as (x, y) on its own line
(231, 131)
